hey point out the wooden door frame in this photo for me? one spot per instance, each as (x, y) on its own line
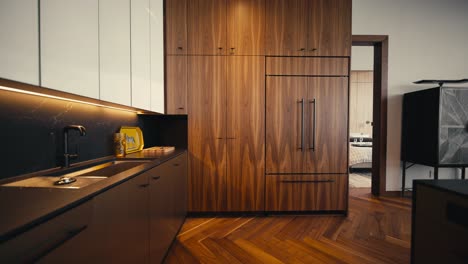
(379, 117)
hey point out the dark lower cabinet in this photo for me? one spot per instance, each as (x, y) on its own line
(119, 230)
(168, 205)
(133, 222)
(51, 241)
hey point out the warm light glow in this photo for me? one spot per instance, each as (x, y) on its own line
(66, 99)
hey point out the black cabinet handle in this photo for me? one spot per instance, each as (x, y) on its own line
(301, 49)
(314, 101)
(302, 124)
(156, 177)
(58, 242)
(143, 185)
(180, 48)
(312, 49)
(181, 108)
(176, 164)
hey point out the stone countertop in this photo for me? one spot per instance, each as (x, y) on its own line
(25, 207)
(459, 187)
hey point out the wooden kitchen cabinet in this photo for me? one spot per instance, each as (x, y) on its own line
(285, 124)
(329, 28)
(286, 33)
(176, 85)
(246, 27)
(176, 27)
(245, 133)
(206, 27)
(306, 125)
(308, 28)
(319, 192)
(207, 132)
(226, 133)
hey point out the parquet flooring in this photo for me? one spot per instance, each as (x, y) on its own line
(376, 230)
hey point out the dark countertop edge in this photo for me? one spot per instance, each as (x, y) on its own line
(7, 235)
(436, 184)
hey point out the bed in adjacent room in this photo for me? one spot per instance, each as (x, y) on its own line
(360, 155)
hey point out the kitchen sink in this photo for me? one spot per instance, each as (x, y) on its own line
(77, 178)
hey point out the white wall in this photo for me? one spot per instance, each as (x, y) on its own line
(362, 58)
(427, 40)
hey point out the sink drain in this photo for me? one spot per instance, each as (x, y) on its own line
(65, 180)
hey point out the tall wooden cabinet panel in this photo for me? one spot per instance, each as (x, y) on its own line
(176, 27)
(245, 133)
(287, 27)
(176, 85)
(207, 130)
(285, 124)
(327, 121)
(329, 28)
(246, 27)
(206, 27)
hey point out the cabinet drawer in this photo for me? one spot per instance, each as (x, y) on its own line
(321, 192)
(307, 66)
(43, 240)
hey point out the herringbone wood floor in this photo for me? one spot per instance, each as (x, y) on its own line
(377, 230)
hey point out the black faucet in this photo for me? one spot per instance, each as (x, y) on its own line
(68, 156)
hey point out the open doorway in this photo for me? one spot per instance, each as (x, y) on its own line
(378, 125)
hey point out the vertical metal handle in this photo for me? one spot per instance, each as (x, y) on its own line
(314, 101)
(302, 124)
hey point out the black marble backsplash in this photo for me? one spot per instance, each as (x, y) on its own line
(31, 131)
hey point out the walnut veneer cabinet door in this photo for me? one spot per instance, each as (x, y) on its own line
(246, 27)
(245, 133)
(176, 26)
(329, 28)
(327, 125)
(310, 192)
(207, 130)
(285, 124)
(176, 85)
(286, 30)
(206, 27)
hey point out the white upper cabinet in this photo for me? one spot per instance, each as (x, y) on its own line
(19, 41)
(141, 67)
(70, 46)
(114, 51)
(157, 56)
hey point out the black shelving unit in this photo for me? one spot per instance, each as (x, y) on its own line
(435, 128)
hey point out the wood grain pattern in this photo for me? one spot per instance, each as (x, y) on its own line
(283, 124)
(376, 230)
(286, 28)
(246, 27)
(306, 192)
(176, 85)
(330, 153)
(361, 97)
(176, 26)
(307, 66)
(245, 133)
(207, 129)
(329, 28)
(206, 27)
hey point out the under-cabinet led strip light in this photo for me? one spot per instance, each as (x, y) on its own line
(66, 99)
